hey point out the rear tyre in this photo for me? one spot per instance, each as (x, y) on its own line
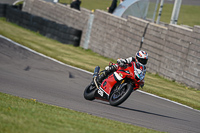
(89, 92)
(119, 96)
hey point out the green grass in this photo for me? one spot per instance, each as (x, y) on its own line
(189, 15)
(92, 4)
(172, 90)
(18, 115)
(86, 59)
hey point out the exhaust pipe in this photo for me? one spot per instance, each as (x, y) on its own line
(95, 75)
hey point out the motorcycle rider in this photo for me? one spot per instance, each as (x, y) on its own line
(140, 60)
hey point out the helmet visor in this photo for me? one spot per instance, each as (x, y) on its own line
(142, 61)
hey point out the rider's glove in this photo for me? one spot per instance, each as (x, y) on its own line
(107, 68)
(111, 67)
(121, 62)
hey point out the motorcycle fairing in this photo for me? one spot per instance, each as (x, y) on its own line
(100, 93)
(108, 83)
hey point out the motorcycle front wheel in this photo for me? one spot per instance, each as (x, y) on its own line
(120, 95)
(89, 92)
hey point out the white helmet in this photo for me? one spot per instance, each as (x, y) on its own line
(142, 57)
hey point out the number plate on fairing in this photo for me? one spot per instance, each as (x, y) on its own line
(101, 93)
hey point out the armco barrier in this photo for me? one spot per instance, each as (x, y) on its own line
(62, 33)
(59, 13)
(3, 10)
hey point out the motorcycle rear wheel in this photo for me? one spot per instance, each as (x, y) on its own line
(89, 92)
(118, 97)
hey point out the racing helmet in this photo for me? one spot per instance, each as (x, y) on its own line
(142, 57)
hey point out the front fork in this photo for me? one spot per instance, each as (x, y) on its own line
(120, 86)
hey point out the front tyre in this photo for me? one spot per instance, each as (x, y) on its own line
(119, 96)
(89, 92)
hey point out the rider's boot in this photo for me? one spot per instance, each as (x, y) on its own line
(105, 73)
(102, 76)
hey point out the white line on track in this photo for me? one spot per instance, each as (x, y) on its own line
(88, 71)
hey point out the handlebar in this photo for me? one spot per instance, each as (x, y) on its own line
(124, 65)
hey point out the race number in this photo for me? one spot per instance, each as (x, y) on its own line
(100, 92)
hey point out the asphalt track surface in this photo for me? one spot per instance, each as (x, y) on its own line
(29, 75)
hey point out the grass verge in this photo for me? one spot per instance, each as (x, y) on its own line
(189, 15)
(20, 115)
(86, 59)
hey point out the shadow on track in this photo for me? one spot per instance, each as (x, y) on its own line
(140, 111)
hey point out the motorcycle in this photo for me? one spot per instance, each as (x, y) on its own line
(117, 86)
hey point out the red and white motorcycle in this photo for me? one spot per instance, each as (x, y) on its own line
(117, 86)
